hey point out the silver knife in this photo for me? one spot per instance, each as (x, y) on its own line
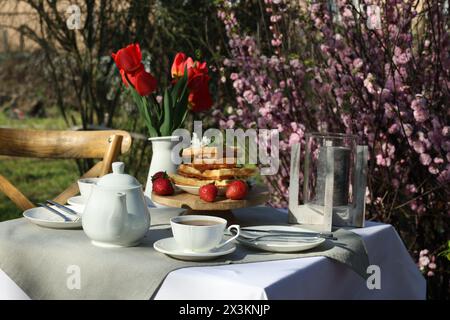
(62, 207)
(55, 212)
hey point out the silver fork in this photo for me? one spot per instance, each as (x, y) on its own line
(326, 235)
(63, 207)
(66, 218)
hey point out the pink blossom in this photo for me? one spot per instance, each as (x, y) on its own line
(393, 129)
(358, 63)
(380, 160)
(420, 115)
(420, 111)
(368, 83)
(424, 261)
(433, 169)
(425, 159)
(408, 129)
(347, 13)
(418, 146)
(400, 56)
(444, 176)
(411, 188)
(263, 111)
(276, 42)
(248, 95)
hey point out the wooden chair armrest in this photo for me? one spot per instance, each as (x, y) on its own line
(14, 194)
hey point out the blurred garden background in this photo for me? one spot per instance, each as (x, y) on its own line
(379, 69)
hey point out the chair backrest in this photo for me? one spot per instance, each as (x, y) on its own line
(60, 144)
(105, 145)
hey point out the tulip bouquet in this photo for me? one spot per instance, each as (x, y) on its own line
(188, 91)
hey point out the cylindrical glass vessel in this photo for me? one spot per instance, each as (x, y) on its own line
(329, 171)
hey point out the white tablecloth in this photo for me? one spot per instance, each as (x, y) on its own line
(304, 278)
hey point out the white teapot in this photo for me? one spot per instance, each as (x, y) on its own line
(116, 213)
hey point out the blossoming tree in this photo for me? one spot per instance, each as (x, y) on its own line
(380, 70)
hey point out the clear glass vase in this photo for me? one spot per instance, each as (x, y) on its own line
(329, 173)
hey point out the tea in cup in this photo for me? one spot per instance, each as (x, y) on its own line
(200, 233)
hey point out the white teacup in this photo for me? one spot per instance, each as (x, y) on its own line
(85, 185)
(200, 233)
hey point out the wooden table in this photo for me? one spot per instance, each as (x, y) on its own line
(220, 208)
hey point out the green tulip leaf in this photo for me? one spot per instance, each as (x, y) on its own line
(166, 126)
(181, 91)
(143, 108)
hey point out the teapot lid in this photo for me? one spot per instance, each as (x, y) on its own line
(118, 179)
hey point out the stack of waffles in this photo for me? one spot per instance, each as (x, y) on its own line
(204, 165)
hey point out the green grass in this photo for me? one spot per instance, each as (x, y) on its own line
(50, 123)
(38, 179)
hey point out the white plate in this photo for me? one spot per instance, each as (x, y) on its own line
(276, 244)
(170, 247)
(194, 190)
(77, 201)
(44, 218)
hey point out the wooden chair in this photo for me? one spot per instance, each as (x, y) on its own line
(105, 145)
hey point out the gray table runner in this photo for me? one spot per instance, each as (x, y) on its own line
(45, 263)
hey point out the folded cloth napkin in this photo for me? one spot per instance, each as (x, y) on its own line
(63, 264)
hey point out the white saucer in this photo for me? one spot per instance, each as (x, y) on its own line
(77, 201)
(278, 244)
(44, 218)
(170, 247)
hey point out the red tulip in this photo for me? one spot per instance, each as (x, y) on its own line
(197, 68)
(124, 78)
(200, 100)
(198, 81)
(179, 64)
(129, 58)
(199, 97)
(143, 82)
(128, 76)
(128, 61)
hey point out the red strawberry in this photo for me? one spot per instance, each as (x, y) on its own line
(237, 190)
(163, 187)
(208, 192)
(160, 174)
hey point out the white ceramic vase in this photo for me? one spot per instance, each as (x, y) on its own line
(161, 160)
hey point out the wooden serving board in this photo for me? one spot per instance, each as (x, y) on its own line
(256, 196)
